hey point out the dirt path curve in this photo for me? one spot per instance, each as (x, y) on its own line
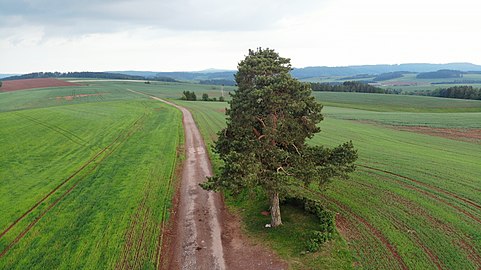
(205, 235)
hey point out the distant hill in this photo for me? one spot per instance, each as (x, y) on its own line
(309, 72)
(198, 76)
(226, 77)
(146, 74)
(6, 75)
(318, 71)
(93, 75)
(440, 74)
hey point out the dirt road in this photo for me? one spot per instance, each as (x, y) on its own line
(204, 234)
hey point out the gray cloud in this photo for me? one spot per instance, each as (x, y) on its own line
(93, 16)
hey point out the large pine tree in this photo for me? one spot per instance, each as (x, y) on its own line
(264, 144)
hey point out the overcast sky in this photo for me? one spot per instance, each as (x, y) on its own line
(183, 35)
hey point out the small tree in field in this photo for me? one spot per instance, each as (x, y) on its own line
(264, 144)
(205, 97)
(187, 95)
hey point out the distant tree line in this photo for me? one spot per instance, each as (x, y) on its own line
(389, 76)
(218, 82)
(347, 86)
(460, 92)
(191, 96)
(356, 77)
(440, 74)
(459, 82)
(93, 75)
(162, 79)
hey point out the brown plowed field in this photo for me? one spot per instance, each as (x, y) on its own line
(468, 135)
(33, 83)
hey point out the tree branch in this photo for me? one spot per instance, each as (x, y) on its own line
(297, 150)
(262, 121)
(282, 169)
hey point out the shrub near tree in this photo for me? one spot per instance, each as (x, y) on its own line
(271, 116)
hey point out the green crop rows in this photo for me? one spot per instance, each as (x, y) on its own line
(86, 182)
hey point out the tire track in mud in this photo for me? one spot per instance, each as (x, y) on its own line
(134, 249)
(167, 198)
(67, 134)
(379, 235)
(127, 134)
(360, 239)
(373, 230)
(65, 181)
(428, 193)
(451, 194)
(413, 209)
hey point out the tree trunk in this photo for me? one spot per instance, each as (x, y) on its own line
(275, 210)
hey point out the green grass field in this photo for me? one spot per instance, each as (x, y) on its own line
(437, 120)
(396, 103)
(86, 182)
(412, 203)
(418, 84)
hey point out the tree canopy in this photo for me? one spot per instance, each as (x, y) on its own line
(271, 116)
(187, 95)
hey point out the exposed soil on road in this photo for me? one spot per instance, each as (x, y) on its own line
(204, 235)
(15, 85)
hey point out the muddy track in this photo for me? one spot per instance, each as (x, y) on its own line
(203, 234)
(124, 136)
(198, 242)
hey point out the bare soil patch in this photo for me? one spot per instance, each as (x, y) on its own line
(241, 253)
(76, 96)
(467, 134)
(16, 85)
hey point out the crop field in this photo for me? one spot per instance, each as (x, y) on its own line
(396, 103)
(413, 203)
(407, 83)
(435, 120)
(87, 177)
(87, 171)
(100, 91)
